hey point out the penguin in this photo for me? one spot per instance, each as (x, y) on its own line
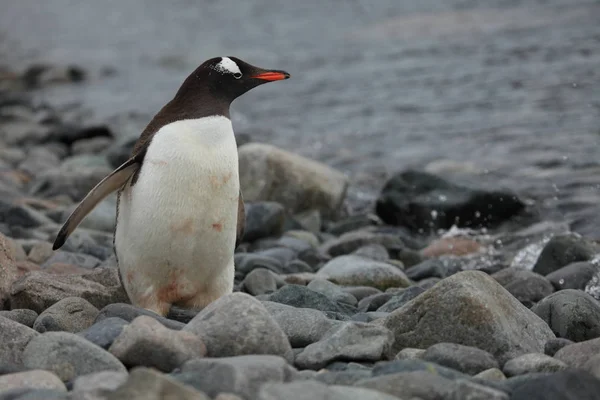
(180, 211)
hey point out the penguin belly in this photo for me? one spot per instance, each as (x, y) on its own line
(176, 225)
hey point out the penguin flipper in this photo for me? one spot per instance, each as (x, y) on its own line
(108, 185)
(241, 220)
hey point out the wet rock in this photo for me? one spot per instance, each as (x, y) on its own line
(465, 389)
(238, 324)
(100, 381)
(318, 391)
(418, 384)
(563, 385)
(353, 270)
(472, 309)
(571, 314)
(241, 375)
(34, 379)
(299, 184)
(22, 316)
(146, 342)
(350, 341)
(467, 359)
(528, 287)
(533, 362)
(401, 298)
(68, 356)
(8, 269)
(14, 337)
(552, 346)
(40, 252)
(492, 374)
(425, 202)
(352, 241)
(148, 384)
(38, 290)
(577, 354)
(439, 268)
(331, 290)
(302, 297)
(71, 314)
(260, 281)
(561, 251)
(104, 332)
(302, 326)
(263, 219)
(129, 312)
(573, 276)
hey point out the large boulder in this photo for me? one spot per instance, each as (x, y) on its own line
(268, 173)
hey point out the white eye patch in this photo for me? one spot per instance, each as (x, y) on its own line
(228, 66)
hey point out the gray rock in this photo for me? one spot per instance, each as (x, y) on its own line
(298, 183)
(260, 281)
(22, 316)
(90, 146)
(241, 375)
(401, 298)
(552, 346)
(410, 384)
(281, 254)
(129, 312)
(374, 251)
(38, 290)
(351, 270)
(472, 309)
(75, 183)
(410, 354)
(68, 356)
(35, 394)
(296, 266)
(148, 384)
(246, 262)
(104, 332)
(146, 342)
(349, 341)
(577, 354)
(346, 377)
(352, 241)
(492, 374)
(65, 257)
(533, 362)
(361, 292)
(302, 326)
(467, 359)
(14, 337)
(563, 385)
(592, 366)
(561, 251)
(401, 366)
(33, 379)
(571, 314)
(373, 302)
(464, 389)
(23, 216)
(311, 390)
(331, 290)
(100, 381)
(237, 324)
(263, 219)
(442, 267)
(40, 252)
(369, 316)
(71, 314)
(573, 276)
(302, 297)
(527, 286)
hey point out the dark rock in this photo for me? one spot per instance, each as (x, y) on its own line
(302, 326)
(533, 362)
(401, 298)
(34, 379)
(148, 384)
(438, 268)
(238, 324)
(318, 391)
(353, 270)
(571, 314)
(71, 314)
(129, 312)
(564, 385)
(373, 302)
(552, 346)
(104, 332)
(472, 309)
(467, 359)
(577, 354)
(241, 375)
(424, 202)
(263, 219)
(465, 389)
(14, 337)
(408, 365)
(146, 342)
(297, 266)
(352, 241)
(22, 216)
(68, 356)
(346, 377)
(75, 183)
(302, 297)
(350, 341)
(528, 287)
(352, 223)
(260, 281)
(246, 262)
(90, 146)
(22, 316)
(361, 292)
(418, 384)
(331, 290)
(561, 251)
(183, 315)
(369, 316)
(573, 276)
(37, 75)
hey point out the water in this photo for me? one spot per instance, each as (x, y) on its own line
(507, 91)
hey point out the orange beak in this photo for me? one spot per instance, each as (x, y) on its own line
(272, 76)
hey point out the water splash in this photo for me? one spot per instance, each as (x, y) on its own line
(527, 256)
(593, 286)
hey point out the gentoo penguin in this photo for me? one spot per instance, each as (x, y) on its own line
(180, 212)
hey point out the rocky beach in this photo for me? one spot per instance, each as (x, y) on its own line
(416, 284)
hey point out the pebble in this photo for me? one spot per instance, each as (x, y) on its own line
(552, 346)
(573, 276)
(68, 356)
(318, 391)
(349, 341)
(527, 286)
(33, 379)
(260, 281)
(464, 389)
(100, 381)
(66, 257)
(492, 374)
(436, 268)
(373, 251)
(14, 337)
(146, 342)
(350, 242)
(104, 332)
(360, 292)
(398, 366)
(351, 270)
(493, 321)
(577, 354)
(129, 312)
(400, 298)
(533, 362)
(238, 324)
(71, 314)
(147, 384)
(22, 316)
(303, 297)
(561, 251)
(571, 314)
(568, 384)
(40, 252)
(419, 384)
(467, 359)
(246, 262)
(410, 354)
(333, 291)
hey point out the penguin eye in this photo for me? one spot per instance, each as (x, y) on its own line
(237, 75)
